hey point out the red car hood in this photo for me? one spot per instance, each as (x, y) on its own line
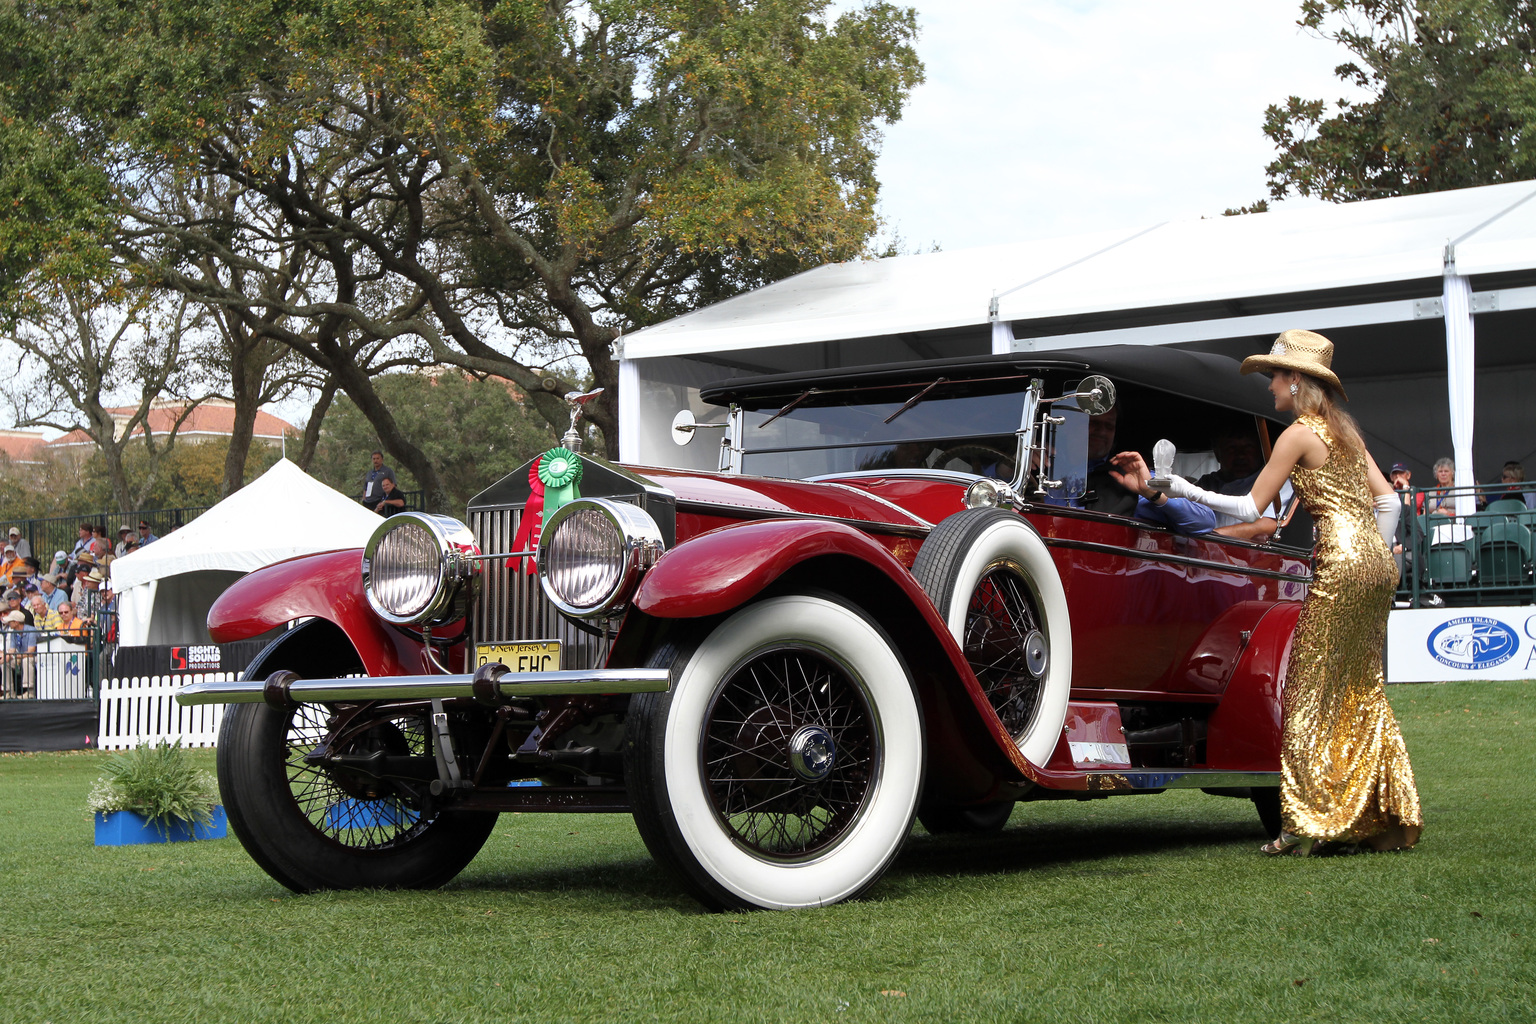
(761, 497)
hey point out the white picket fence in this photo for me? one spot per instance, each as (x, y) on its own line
(143, 709)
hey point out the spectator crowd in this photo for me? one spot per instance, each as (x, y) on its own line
(70, 599)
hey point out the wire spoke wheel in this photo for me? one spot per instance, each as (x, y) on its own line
(787, 753)
(784, 766)
(992, 578)
(1005, 646)
(364, 816)
(313, 826)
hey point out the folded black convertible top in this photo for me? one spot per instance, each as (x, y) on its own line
(1203, 376)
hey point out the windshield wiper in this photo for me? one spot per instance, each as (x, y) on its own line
(911, 401)
(803, 396)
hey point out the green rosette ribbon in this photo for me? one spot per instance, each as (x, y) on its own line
(560, 469)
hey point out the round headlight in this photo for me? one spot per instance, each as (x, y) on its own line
(419, 568)
(592, 552)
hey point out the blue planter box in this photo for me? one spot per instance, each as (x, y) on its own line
(349, 813)
(125, 828)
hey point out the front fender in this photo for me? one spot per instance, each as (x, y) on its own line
(719, 571)
(325, 586)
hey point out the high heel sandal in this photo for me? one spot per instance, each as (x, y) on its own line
(1287, 845)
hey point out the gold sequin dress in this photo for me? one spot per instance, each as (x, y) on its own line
(1344, 769)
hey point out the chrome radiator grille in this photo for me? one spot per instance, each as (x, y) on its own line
(512, 605)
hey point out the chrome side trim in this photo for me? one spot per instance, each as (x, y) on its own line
(751, 512)
(532, 684)
(948, 476)
(1178, 778)
(1159, 556)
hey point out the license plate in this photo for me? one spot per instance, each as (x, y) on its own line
(529, 656)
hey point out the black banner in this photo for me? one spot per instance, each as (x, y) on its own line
(47, 725)
(184, 659)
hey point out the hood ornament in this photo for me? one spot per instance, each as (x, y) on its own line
(576, 400)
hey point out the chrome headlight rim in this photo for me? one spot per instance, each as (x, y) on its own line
(456, 571)
(640, 544)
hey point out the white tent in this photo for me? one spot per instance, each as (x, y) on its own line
(166, 589)
(1397, 283)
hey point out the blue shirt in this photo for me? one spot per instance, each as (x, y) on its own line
(23, 640)
(1183, 515)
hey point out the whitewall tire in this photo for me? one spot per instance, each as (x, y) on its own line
(992, 579)
(784, 767)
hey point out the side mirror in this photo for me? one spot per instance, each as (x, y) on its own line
(1095, 395)
(683, 428)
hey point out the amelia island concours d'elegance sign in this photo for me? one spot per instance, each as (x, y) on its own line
(1427, 645)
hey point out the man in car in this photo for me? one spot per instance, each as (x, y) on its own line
(1240, 460)
(1105, 492)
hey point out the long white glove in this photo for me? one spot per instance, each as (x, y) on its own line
(1388, 508)
(1238, 506)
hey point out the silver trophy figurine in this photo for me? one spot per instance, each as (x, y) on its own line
(1162, 463)
(576, 400)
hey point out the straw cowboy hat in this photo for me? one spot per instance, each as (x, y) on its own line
(1305, 351)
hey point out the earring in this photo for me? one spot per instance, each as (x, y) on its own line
(1293, 389)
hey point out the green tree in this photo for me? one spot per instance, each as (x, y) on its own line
(79, 345)
(1450, 101)
(474, 431)
(498, 185)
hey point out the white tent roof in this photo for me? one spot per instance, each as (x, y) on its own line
(1285, 251)
(281, 514)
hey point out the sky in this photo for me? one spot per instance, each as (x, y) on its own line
(1044, 118)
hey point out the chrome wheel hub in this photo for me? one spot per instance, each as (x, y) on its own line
(1036, 655)
(812, 753)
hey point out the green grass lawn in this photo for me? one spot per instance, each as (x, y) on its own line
(1150, 908)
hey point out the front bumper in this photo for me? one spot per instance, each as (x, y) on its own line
(285, 689)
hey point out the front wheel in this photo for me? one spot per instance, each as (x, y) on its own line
(311, 829)
(784, 767)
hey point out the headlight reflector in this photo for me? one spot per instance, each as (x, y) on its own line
(419, 568)
(592, 552)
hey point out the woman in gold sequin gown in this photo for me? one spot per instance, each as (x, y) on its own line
(1345, 774)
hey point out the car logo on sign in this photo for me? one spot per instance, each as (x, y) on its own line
(1473, 642)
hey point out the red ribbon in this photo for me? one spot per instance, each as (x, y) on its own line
(527, 538)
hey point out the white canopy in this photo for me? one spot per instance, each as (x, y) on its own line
(1376, 275)
(1318, 249)
(165, 589)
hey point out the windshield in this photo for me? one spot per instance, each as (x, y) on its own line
(968, 426)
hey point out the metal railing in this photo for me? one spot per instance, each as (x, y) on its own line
(63, 666)
(1455, 557)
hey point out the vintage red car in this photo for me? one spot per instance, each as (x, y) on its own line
(911, 591)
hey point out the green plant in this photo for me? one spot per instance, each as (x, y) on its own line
(157, 781)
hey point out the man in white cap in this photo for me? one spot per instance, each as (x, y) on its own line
(123, 533)
(48, 586)
(23, 549)
(20, 657)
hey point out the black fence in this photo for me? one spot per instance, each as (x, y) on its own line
(1454, 557)
(70, 666)
(62, 666)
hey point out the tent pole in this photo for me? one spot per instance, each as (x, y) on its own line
(1460, 365)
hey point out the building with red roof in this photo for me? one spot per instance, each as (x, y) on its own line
(208, 421)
